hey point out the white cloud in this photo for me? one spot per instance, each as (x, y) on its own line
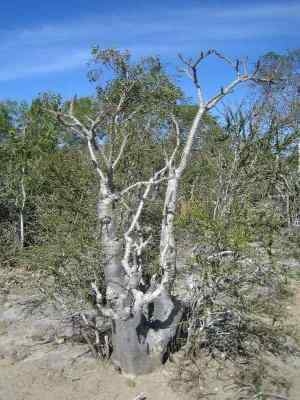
(262, 11)
(57, 64)
(65, 45)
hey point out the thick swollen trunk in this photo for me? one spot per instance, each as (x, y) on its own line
(131, 351)
(140, 334)
(141, 342)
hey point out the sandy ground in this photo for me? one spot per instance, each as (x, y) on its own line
(30, 370)
(60, 370)
(37, 379)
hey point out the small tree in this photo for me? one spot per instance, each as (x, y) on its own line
(139, 98)
(26, 136)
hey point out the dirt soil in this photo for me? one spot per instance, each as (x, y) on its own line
(38, 362)
(38, 377)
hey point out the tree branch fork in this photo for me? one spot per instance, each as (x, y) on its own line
(170, 174)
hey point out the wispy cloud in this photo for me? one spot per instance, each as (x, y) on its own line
(58, 63)
(268, 10)
(50, 48)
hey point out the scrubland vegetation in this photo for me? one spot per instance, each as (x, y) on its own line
(169, 227)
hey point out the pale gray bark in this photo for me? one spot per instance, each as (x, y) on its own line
(21, 213)
(143, 320)
(167, 238)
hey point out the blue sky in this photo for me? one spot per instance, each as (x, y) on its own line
(46, 45)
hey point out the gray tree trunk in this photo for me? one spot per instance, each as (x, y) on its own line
(140, 337)
(21, 211)
(140, 342)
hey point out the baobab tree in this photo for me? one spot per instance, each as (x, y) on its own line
(144, 315)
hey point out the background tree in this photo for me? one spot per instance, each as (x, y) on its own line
(27, 135)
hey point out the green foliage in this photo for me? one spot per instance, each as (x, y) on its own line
(31, 136)
(222, 233)
(232, 196)
(282, 69)
(145, 83)
(64, 230)
(237, 322)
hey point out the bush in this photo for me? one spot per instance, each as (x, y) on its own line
(237, 320)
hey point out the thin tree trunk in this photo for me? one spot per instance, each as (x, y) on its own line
(21, 212)
(21, 219)
(111, 245)
(167, 237)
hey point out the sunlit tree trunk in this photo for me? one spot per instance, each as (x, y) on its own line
(144, 318)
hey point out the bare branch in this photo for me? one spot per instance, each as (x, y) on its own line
(72, 102)
(177, 130)
(132, 114)
(142, 299)
(142, 201)
(105, 311)
(143, 183)
(135, 220)
(70, 121)
(121, 151)
(189, 142)
(96, 122)
(221, 254)
(94, 160)
(225, 91)
(204, 55)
